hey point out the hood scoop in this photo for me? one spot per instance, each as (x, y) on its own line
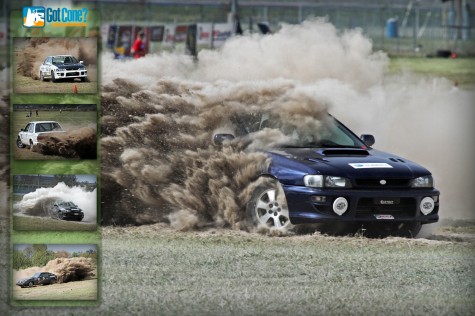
(345, 152)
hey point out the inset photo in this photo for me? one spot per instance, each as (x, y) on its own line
(55, 65)
(54, 272)
(54, 131)
(65, 202)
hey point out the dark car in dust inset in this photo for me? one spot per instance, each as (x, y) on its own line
(39, 278)
(336, 180)
(66, 210)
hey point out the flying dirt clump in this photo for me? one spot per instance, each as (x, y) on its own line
(80, 143)
(164, 166)
(159, 159)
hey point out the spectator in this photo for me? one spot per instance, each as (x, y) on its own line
(138, 49)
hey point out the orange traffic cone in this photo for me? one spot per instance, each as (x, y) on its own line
(75, 90)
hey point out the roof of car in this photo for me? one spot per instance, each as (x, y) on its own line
(42, 122)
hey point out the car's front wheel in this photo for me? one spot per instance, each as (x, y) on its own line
(42, 78)
(268, 206)
(30, 284)
(19, 144)
(53, 78)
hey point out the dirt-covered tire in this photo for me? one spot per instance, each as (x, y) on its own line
(398, 229)
(30, 284)
(41, 76)
(19, 144)
(31, 145)
(53, 78)
(268, 206)
(84, 79)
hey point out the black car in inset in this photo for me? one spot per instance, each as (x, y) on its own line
(66, 210)
(39, 278)
(335, 179)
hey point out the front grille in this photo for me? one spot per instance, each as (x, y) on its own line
(72, 68)
(376, 184)
(71, 74)
(367, 206)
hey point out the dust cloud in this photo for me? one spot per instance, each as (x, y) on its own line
(39, 202)
(31, 52)
(80, 143)
(158, 122)
(65, 269)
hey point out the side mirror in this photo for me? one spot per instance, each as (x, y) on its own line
(219, 139)
(368, 139)
(81, 62)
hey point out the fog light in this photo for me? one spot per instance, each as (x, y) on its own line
(319, 199)
(427, 205)
(340, 205)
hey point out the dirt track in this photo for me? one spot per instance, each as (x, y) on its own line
(22, 84)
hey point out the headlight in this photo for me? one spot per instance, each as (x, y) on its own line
(319, 181)
(314, 181)
(337, 182)
(422, 182)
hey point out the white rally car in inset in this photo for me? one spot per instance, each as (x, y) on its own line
(62, 67)
(35, 132)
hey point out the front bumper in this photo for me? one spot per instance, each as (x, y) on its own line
(62, 74)
(73, 215)
(362, 206)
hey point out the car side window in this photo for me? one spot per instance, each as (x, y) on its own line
(30, 128)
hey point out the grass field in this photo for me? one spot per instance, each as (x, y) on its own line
(69, 120)
(80, 290)
(48, 224)
(460, 70)
(22, 84)
(235, 273)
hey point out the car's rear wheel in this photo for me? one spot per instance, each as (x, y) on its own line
(19, 144)
(401, 229)
(268, 206)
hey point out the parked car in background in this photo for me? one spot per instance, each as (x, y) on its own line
(62, 67)
(39, 278)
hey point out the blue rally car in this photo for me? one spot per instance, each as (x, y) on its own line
(335, 178)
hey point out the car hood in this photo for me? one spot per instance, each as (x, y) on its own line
(289, 165)
(24, 280)
(63, 66)
(71, 209)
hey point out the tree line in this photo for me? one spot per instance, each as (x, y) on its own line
(38, 255)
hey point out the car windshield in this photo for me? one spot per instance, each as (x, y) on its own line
(332, 135)
(64, 60)
(67, 204)
(47, 127)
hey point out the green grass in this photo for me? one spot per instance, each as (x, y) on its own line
(235, 273)
(22, 84)
(48, 224)
(461, 70)
(80, 290)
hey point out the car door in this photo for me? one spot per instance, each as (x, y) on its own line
(30, 134)
(24, 134)
(46, 67)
